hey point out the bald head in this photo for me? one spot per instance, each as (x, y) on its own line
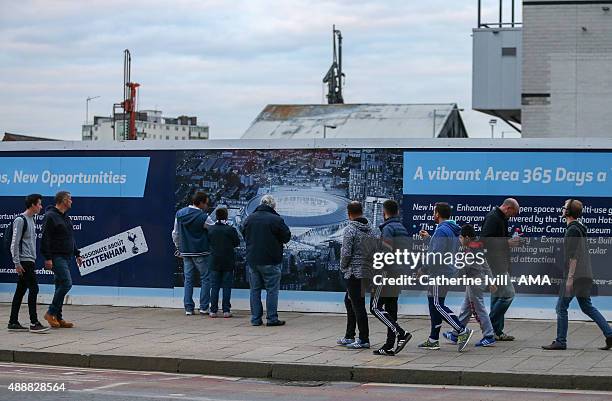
(510, 207)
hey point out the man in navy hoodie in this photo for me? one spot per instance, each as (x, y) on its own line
(444, 241)
(190, 236)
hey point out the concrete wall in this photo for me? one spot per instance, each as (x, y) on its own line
(567, 69)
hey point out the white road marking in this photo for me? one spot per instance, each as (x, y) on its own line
(518, 389)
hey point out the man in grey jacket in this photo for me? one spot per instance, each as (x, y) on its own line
(356, 264)
(23, 251)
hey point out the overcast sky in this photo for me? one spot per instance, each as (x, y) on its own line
(223, 61)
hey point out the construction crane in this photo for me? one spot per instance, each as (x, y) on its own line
(335, 76)
(128, 117)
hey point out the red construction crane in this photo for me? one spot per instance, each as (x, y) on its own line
(129, 100)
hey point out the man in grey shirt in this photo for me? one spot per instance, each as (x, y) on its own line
(23, 251)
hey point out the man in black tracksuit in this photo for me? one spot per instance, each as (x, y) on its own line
(58, 248)
(384, 298)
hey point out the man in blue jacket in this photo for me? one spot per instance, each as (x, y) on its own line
(190, 236)
(265, 232)
(444, 241)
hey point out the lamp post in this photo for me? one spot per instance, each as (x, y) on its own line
(492, 123)
(87, 107)
(325, 129)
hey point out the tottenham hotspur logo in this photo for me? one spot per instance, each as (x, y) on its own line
(132, 239)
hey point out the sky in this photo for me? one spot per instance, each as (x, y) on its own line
(224, 61)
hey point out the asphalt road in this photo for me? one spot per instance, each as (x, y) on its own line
(101, 385)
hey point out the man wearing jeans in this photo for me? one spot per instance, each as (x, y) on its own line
(497, 243)
(58, 248)
(578, 278)
(265, 233)
(190, 237)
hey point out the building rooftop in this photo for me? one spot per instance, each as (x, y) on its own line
(9, 137)
(358, 121)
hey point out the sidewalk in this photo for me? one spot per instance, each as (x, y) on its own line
(166, 340)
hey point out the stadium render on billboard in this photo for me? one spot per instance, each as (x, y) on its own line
(124, 205)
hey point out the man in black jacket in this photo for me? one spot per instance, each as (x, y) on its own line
(265, 233)
(58, 248)
(497, 242)
(222, 238)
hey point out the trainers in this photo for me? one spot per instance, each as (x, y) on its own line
(402, 340)
(227, 314)
(384, 351)
(554, 346)
(212, 314)
(608, 344)
(486, 342)
(429, 344)
(358, 344)
(504, 337)
(38, 328)
(52, 320)
(188, 312)
(345, 341)
(16, 327)
(65, 324)
(276, 323)
(450, 337)
(203, 311)
(463, 338)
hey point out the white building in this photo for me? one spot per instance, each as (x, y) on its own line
(150, 125)
(553, 75)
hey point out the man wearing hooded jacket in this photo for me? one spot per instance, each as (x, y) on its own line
(190, 236)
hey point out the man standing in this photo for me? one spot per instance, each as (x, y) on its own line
(23, 251)
(58, 248)
(444, 240)
(265, 232)
(190, 236)
(578, 278)
(497, 243)
(384, 299)
(355, 266)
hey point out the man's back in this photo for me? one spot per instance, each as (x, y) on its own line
(192, 232)
(265, 233)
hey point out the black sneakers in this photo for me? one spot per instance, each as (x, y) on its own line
(16, 327)
(554, 346)
(276, 323)
(608, 344)
(38, 328)
(402, 340)
(384, 351)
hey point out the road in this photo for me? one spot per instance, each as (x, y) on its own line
(105, 385)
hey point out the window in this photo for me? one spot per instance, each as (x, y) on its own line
(154, 126)
(95, 128)
(167, 127)
(183, 128)
(176, 128)
(508, 51)
(167, 137)
(176, 138)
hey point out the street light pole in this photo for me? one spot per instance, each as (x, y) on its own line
(87, 107)
(492, 123)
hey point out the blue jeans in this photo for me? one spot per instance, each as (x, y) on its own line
(264, 277)
(63, 284)
(221, 279)
(587, 308)
(500, 302)
(190, 263)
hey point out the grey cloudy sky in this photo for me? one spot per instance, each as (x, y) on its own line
(223, 61)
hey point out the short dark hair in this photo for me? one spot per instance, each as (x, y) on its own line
(443, 209)
(354, 208)
(467, 231)
(574, 208)
(221, 213)
(199, 197)
(32, 200)
(60, 196)
(391, 207)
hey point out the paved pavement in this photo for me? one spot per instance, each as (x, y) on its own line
(166, 340)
